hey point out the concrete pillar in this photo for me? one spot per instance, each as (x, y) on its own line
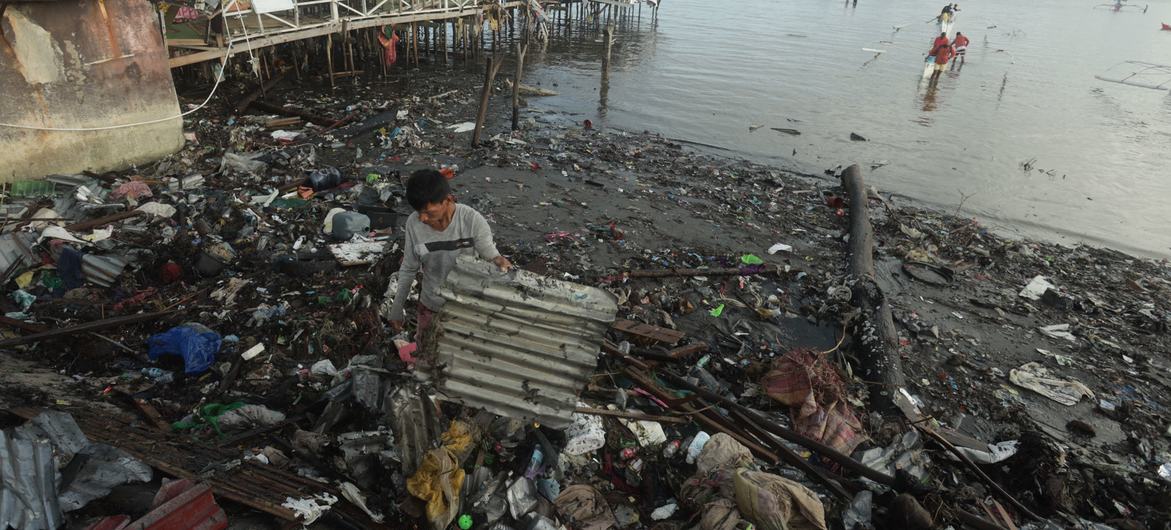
(92, 64)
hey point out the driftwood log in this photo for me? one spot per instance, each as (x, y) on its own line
(881, 366)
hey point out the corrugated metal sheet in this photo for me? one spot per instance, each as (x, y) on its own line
(519, 345)
(102, 270)
(16, 247)
(28, 482)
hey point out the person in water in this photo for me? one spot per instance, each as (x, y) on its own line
(943, 54)
(960, 45)
(945, 15)
(941, 40)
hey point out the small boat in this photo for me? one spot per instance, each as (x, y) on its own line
(1166, 27)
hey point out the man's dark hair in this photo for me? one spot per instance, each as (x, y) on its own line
(426, 186)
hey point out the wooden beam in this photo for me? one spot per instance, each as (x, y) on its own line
(87, 326)
(326, 28)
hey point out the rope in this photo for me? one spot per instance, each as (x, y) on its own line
(219, 79)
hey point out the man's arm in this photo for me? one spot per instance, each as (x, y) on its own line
(406, 276)
(485, 247)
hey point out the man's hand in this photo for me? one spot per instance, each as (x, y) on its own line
(396, 325)
(503, 263)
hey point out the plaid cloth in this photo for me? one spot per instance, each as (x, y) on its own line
(816, 396)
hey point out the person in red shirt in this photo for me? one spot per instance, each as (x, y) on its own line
(941, 40)
(961, 48)
(943, 54)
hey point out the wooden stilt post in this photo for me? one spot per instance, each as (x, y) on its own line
(489, 75)
(609, 37)
(520, 66)
(329, 57)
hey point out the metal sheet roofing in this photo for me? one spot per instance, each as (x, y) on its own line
(519, 345)
(28, 482)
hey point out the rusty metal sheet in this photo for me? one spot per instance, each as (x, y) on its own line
(191, 508)
(257, 486)
(666, 336)
(519, 345)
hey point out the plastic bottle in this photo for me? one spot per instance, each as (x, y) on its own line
(535, 463)
(671, 448)
(696, 446)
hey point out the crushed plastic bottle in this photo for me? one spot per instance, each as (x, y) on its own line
(696, 446)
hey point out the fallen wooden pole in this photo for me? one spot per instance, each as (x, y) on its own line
(490, 70)
(792, 436)
(844, 460)
(757, 449)
(307, 116)
(729, 271)
(979, 472)
(742, 433)
(631, 415)
(881, 365)
(264, 87)
(102, 221)
(793, 458)
(82, 328)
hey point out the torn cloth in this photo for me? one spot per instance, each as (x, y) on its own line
(809, 385)
(776, 503)
(584, 508)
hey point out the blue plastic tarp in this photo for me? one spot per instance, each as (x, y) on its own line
(195, 343)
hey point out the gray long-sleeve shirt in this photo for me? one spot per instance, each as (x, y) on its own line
(435, 252)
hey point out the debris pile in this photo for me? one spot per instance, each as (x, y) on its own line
(680, 348)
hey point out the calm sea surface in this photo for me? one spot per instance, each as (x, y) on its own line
(1023, 134)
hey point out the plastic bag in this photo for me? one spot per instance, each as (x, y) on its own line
(438, 482)
(242, 163)
(586, 434)
(195, 343)
(722, 452)
(325, 178)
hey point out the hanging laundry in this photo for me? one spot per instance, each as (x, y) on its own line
(389, 40)
(186, 14)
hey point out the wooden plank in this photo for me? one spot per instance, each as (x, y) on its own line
(666, 336)
(687, 351)
(87, 326)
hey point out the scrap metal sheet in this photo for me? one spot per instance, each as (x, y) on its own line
(518, 344)
(28, 482)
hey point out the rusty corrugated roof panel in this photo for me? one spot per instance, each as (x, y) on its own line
(28, 482)
(519, 345)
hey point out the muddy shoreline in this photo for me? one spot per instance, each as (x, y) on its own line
(592, 206)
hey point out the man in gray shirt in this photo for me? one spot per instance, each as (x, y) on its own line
(438, 232)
